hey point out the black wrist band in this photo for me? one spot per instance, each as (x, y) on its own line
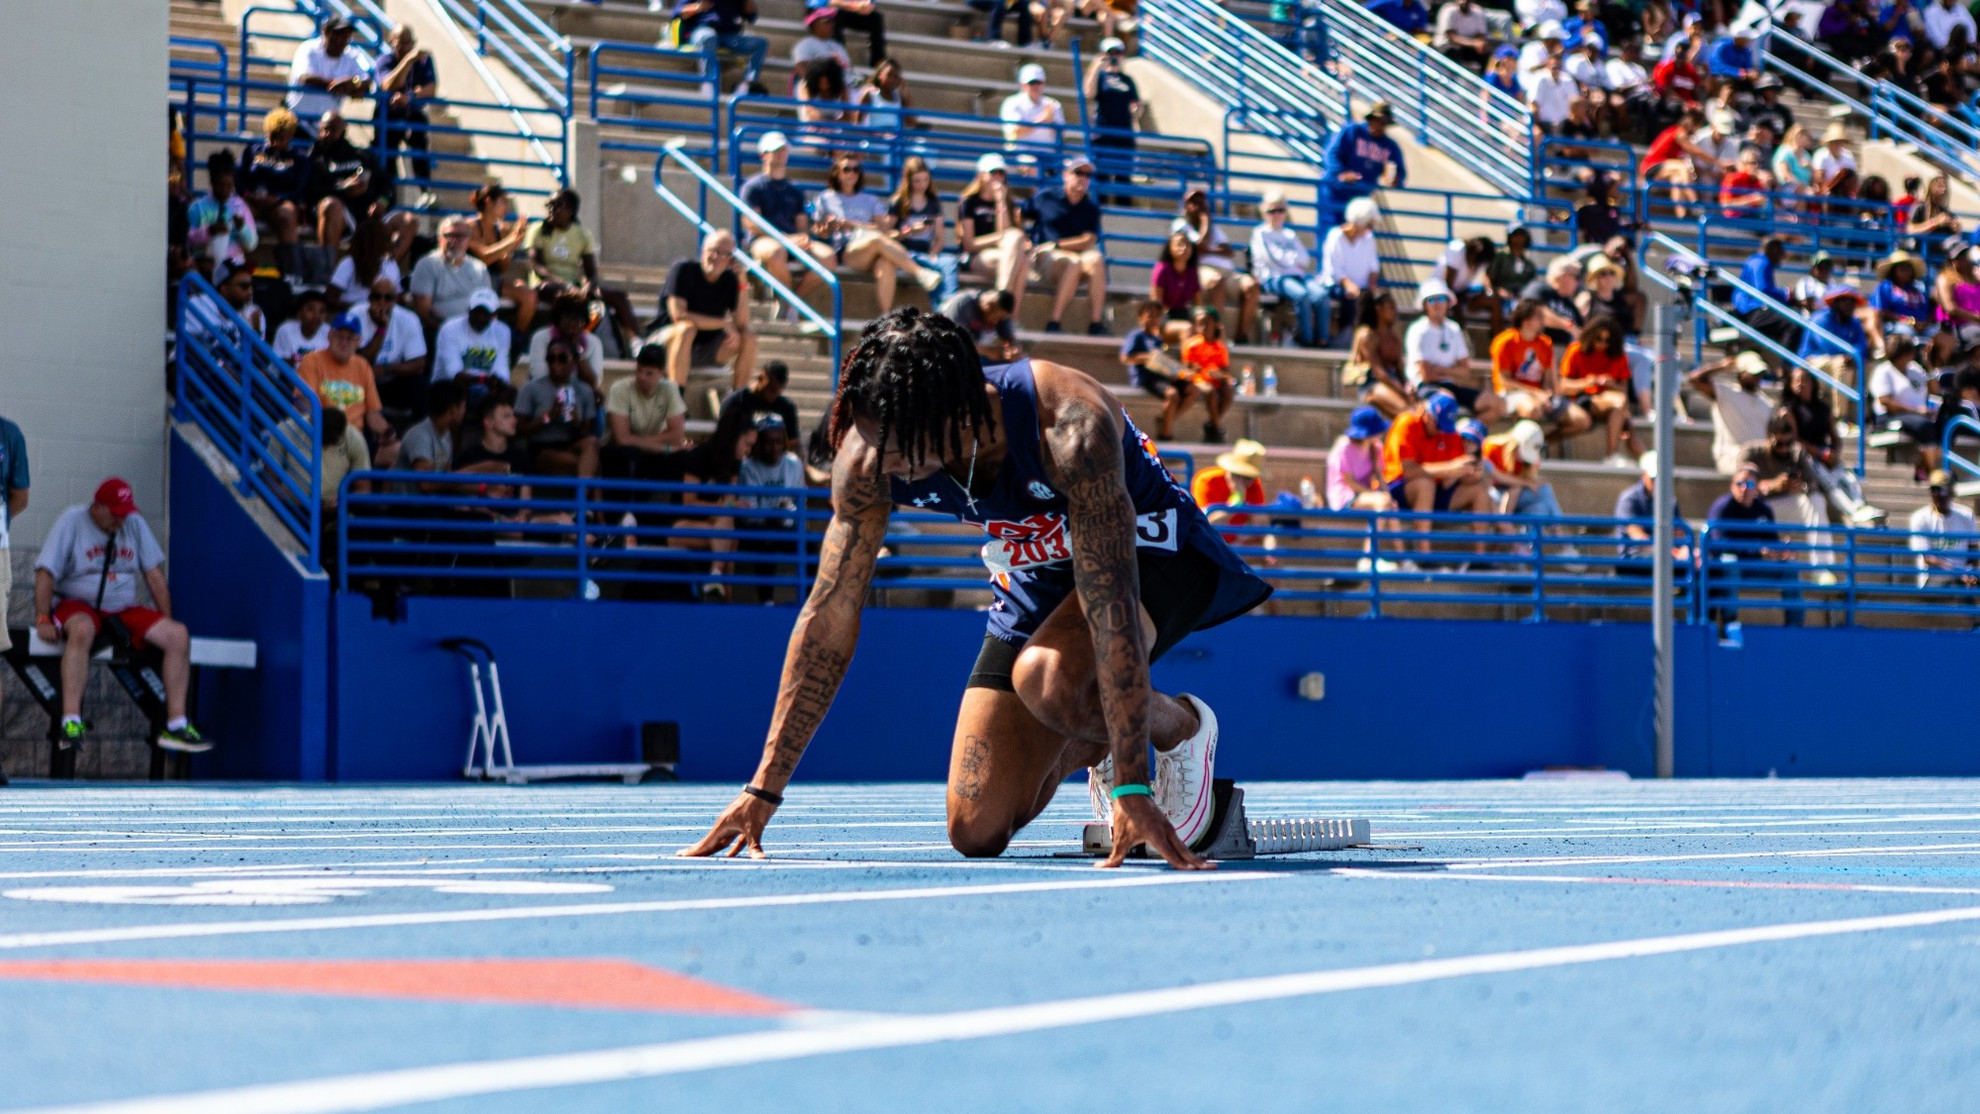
(764, 794)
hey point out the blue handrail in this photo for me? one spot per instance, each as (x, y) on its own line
(1890, 111)
(675, 156)
(618, 102)
(254, 408)
(1957, 424)
(532, 49)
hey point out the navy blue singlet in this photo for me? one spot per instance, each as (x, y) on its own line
(1030, 552)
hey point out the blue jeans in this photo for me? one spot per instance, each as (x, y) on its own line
(948, 264)
(1539, 503)
(1313, 308)
(753, 48)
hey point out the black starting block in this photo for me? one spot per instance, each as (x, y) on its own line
(39, 666)
(1232, 836)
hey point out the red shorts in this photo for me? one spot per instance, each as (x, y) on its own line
(137, 619)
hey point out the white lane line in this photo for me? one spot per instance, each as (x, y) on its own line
(181, 931)
(377, 1090)
(1698, 883)
(1815, 852)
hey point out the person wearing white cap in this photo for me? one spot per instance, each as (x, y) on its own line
(1030, 117)
(1515, 471)
(1551, 93)
(990, 228)
(1833, 158)
(1719, 142)
(474, 345)
(1548, 42)
(1116, 104)
(780, 205)
(1437, 354)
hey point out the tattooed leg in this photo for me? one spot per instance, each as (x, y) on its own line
(1003, 770)
(1056, 678)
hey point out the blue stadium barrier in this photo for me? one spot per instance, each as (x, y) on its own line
(483, 530)
(1239, 65)
(254, 408)
(1889, 113)
(619, 100)
(834, 327)
(533, 50)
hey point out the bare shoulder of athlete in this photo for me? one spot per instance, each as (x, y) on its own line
(1074, 409)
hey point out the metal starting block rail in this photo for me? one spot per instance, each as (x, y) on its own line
(1234, 836)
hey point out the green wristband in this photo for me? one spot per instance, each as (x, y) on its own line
(1131, 789)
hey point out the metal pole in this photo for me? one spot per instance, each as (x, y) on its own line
(1667, 318)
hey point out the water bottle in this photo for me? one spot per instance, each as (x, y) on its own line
(1246, 386)
(1271, 381)
(1308, 497)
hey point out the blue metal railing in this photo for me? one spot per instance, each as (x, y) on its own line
(532, 49)
(1237, 64)
(254, 408)
(1948, 434)
(678, 158)
(419, 531)
(619, 90)
(1709, 273)
(1888, 113)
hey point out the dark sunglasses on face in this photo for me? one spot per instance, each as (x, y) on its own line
(1276, 209)
(1082, 174)
(560, 357)
(377, 297)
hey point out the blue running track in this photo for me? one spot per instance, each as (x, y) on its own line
(1784, 945)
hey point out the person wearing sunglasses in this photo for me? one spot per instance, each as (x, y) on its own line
(394, 341)
(1065, 224)
(1746, 544)
(1284, 268)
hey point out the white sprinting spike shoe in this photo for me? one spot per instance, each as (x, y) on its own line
(1182, 777)
(1100, 789)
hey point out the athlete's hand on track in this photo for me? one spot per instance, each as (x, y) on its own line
(1137, 820)
(740, 825)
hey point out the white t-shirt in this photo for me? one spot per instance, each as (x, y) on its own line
(458, 348)
(1356, 261)
(1927, 521)
(591, 355)
(1532, 13)
(811, 48)
(1827, 162)
(1216, 239)
(1622, 76)
(405, 337)
(1532, 63)
(356, 295)
(1906, 385)
(1551, 95)
(1463, 276)
(1737, 419)
(313, 61)
(1427, 343)
(1940, 21)
(292, 345)
(74, 551)
(1725, 148)
(1025, 116)
(1585, 71)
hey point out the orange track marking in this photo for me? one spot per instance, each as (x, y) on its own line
(598, 984)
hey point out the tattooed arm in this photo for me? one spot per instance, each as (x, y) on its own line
(1082, 436)
(821, 644)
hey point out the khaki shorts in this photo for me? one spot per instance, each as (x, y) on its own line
(6, 598)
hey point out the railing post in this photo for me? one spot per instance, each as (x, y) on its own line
(481, 27)
(799, 575)
(1849, 592)
(1374, 568)
(583, 534)
(1539, 574)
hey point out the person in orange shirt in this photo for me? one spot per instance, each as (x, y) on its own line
(1232, 482)
(1427, 466)
(1523, 373)
(343, 380)
(1595, 374)
(1206, 373)
(1514, 460)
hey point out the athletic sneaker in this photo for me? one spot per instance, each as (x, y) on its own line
(1100, 788)
(1182, 777)
(72, 733)
(186, 740)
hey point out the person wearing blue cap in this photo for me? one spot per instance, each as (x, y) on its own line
(343, 380)
(1354, 464)
(1426, 465)
(1502, 73)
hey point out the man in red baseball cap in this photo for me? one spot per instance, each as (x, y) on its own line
(85, 588)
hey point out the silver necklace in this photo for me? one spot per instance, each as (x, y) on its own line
(969, 485)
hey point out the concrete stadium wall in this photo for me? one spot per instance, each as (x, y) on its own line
(1404, 698)
(229, 580)
(82, 251)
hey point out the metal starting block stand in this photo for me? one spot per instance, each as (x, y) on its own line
(1233, 836)
(491, 731)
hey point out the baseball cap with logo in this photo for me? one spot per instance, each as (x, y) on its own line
(1442, 410)
(484, 298)
(348, 322)
(115, 496)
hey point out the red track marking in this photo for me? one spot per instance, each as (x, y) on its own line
(599, 984)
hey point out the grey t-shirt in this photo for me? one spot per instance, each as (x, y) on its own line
(571, 408)
(423, 442)
(965, 310)
(449, 287)
(73, 555)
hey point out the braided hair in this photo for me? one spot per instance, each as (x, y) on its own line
(919, 376)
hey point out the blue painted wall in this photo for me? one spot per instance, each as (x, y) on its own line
(229, 581)
(1405, 698)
